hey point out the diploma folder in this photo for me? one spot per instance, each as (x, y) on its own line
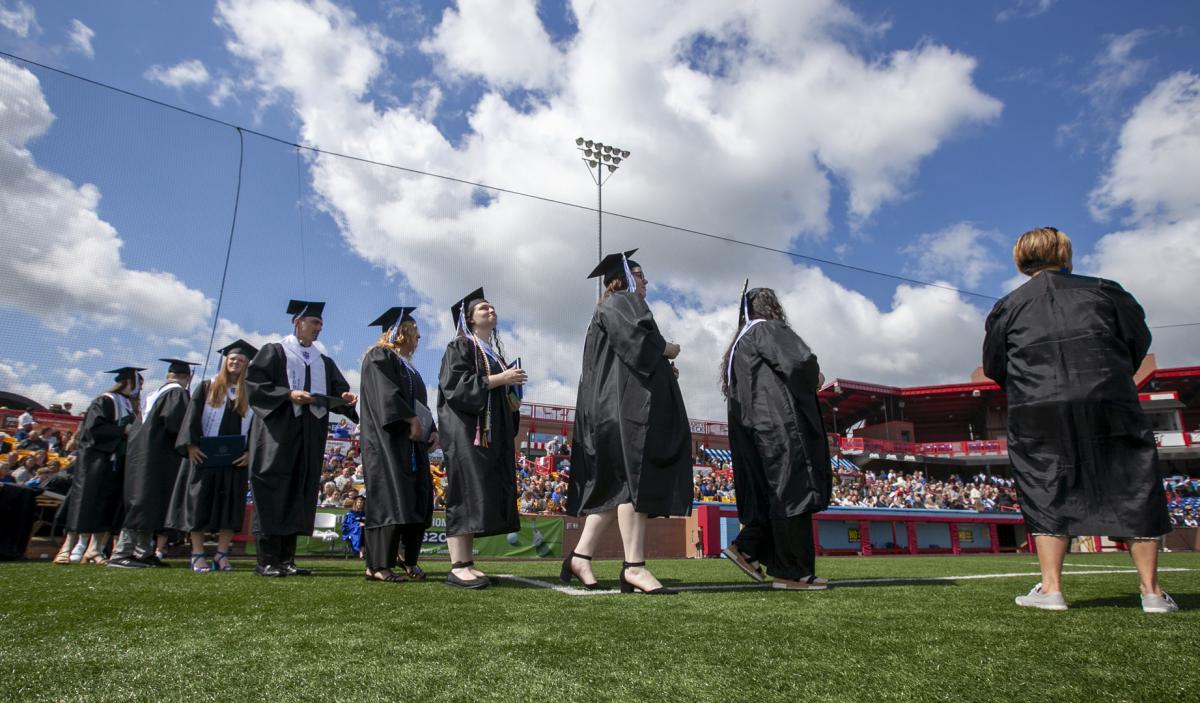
(332, 402)
(221, 451)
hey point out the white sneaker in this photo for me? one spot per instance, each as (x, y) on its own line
(1045, 601)
(1159, 604)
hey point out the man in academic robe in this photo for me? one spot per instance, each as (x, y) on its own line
(291, 386)
(151, 467)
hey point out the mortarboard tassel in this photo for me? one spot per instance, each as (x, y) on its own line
(632, 285)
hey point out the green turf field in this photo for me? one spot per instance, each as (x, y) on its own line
(87, 633)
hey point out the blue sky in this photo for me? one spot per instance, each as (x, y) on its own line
(913, 138)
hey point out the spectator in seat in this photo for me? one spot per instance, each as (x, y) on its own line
(33, 441)
(331, 499)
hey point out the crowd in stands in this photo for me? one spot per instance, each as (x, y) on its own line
(894, 489)
(1183, 501)
(37, 457)
(41, 457)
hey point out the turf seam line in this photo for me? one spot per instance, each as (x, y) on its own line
(1095, 571)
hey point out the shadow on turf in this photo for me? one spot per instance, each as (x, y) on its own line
(1186, 601)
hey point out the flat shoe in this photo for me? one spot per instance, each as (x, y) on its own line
(452, 580)
(270, 571)
(812, 583)
(740, 561)
(1155, 603)
(1042, 601)
(390, 578)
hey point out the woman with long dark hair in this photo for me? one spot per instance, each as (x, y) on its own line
(781, 465)
(396, 434)
(210, 495)
(631, 457)
(478, 404)
(96, 492)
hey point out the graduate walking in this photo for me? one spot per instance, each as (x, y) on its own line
(94, 500)
(151, 468)
(210, 493)
(396, 433)
(291, 386)
(478, 404)
(781, 464)
(631, 458)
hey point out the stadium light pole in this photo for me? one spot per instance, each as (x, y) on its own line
(600, 156)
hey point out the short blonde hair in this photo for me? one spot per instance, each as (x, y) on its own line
(1042, 248)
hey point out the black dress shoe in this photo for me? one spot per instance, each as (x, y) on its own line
(152, 560)
(292, 570)
(270, 570)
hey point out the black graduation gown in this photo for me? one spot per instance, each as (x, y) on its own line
(780, 451)
(286, 450)
(207, 499)
(152, 462)
(99, 472)
(1065, 349)
(481, 482)
(632, 436)
(395, 469)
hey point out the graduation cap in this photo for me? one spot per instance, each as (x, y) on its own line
(239, 346)
(126, 373)
(391, 320)
(615, 266)
(305, 308)
(179, 366)
(392, 317)
(458, 310)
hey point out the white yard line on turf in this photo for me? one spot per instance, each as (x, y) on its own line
(573, 591)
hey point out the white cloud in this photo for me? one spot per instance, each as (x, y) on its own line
(76, 355)
(46, 218)
(1024, 9)
(1117, 70)
(20, 19)
(739, 116)
(1152, 172)
(15, 377)
(229, 331)
(1151, 175)
(222, 91)
(502, 42)
(961, 253)
(81, 38)
(185, 74)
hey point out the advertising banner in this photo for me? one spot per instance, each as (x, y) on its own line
(539, 536)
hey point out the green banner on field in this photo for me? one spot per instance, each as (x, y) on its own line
(538, 537)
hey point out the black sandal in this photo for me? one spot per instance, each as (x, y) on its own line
(567, 572)
(472, 584)
(627, 587)
(415, 573)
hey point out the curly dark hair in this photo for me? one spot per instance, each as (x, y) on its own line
(764, 305)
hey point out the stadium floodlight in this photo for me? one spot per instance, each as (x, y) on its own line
(598, 156)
